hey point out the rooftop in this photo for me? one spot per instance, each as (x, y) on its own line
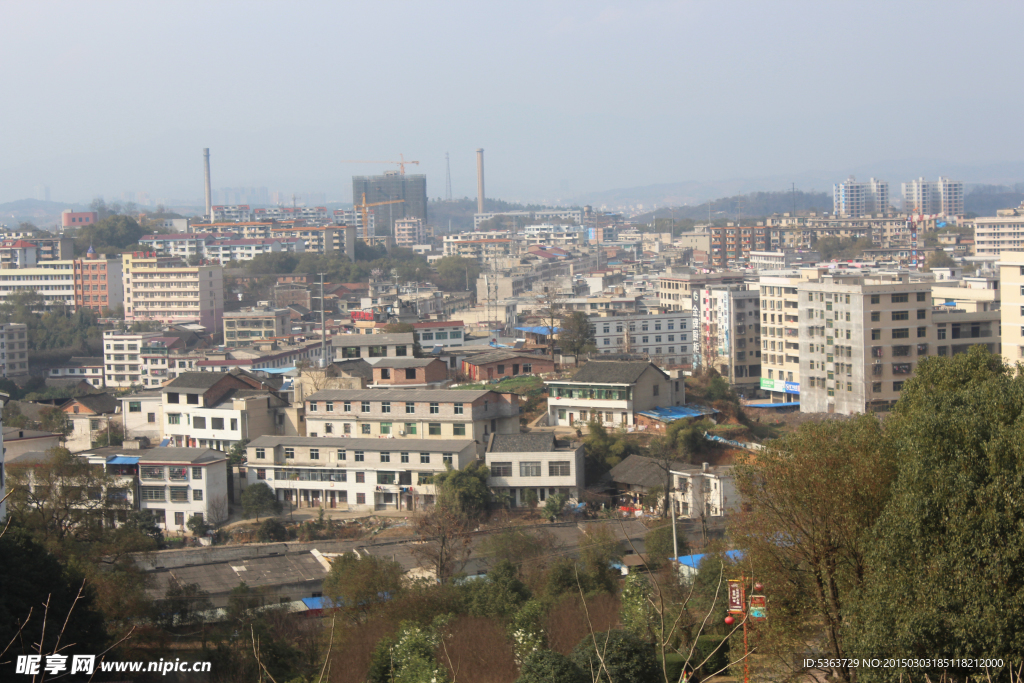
(638, 470)
(538, 442)
(613, 372)
(372, 339)
(439, 395)
(454, 445)
(191, 455)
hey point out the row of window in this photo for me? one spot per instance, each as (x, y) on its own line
(403, 428)
(173, 472)
(178, 494)
(385, 407)
(357, 456)
(200, 422)
(333, 475)
(556, 468)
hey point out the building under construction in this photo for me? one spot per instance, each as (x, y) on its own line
(393, 186)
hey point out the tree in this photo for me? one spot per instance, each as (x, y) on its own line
(272, 530)
(197, 525)
(576, 336)
(184, 604)
(456, 274)
(813, 498)
(243, 602)
(56, 421)
(943, 568)
(259, 499)
(237, 454)
(553, 507)
(467, 486)
(616, 657)
(12, 416)
(599, 549)
(551, 314)
(499, 595)
(530, 498)
(659, 544)
(358, 585)
(548, 666)
(939, 259)
(444, 530)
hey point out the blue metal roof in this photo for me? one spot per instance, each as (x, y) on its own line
(313, 603)
(695, 560)
(276, 371)
(678, 412)
(122, 460)
(540, 329)
(773, 405)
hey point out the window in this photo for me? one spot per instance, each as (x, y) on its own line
(501, 469)
(529, 469)
(897, 386)
(434, 429)
(385, 456)
(364, 407)
(446, 458)
(179, 494)
(410, 428)
(401, 351)
(314, 453)
(385, 406)
(197, 473)
(559, 468)
(385, 478)
(458, 409)
(385, 427)
(135, 406)
(312, 406)
(459, 429)
(360, 497)
(876, 387)
(173, 397)
(921, 296)
(434, 409)
(261, 474)
(424, 458)
(875, 316)
(289, 452)
(151, 417)
(901, 333)
(922, 313)
(410, 408)
(876, 298)
(216, 423)
(261, 454)
(876, 334)
(199, 422)
(405, 457)
(900, 298)
(153, 493)
(410, 373)
(345, 406)
(193, 399)
(179, 517)
(901, 315)
(151, 472)
(197, 494)
(174, 418)
(364, 428)
(360, 457)
(922, 332)
(342, 455)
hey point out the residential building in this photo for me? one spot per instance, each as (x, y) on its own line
(704, 492)
(575, 215)
(860, 336)
(728, 337)
(408, 191)
(943, 197)
(735, 242)
(675, 290)
(354, 474)
(91, 417)
(410, 232)
(482, 250)
(498, 364)
(1004, 233)
(122, 353)
(440, 332)
(637, 476)
(776, 260)
(159, 289)
(311, 215)
(256, 323)
(18, 254)
(99, 284)
(218, 410)
(409, 373)
(780, 332)
(176, 484)
(76, 219)
(411, 414)
(80, 368)
(372, 346)
(142, 415)
(537, 461)
(14, 349)
(665, 337)
(852, 199)
(611, 392)
(52, 281)
(17, 441)
(226, 251)
(259, 356)
(237, 213)
(1011, 293)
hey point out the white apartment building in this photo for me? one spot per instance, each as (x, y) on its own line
(665, 337)
(217, 410)
(13, 349)
(410, 232)
(538, 462)
(851, 199)
(354, 474)
(612, 393)
(780, 332)
(482, 250)
(1011, 292)
(237, 213)
(165, 290)
(219, 247)
(311, 215)
(704, 492)
(256, 323)
(440, 332)
(122, 366)
(176, 484)
(545, 215)
(143, 415)
(943, 197)
(728, 335)
(54, 282)
(1003, 233)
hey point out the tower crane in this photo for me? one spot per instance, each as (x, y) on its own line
(364, 207)
(401, 164)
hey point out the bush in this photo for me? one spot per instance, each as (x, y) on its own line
(271, 530)
(547, 666)
(705, 647)
(626, 658)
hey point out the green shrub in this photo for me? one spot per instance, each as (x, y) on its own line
(626, 658)
(547, 666)
(716, 659)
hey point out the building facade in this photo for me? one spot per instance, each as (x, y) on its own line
(612, 393)
(390, 187)
(943, 197)
(534, 462)
(165, 290)
(728, 335)
(177, 484)
(99, 283)
(14, 349)
(256, 323)
(852, 199)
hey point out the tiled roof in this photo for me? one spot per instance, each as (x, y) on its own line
(638, 470)
(612, 372)
(539, 442)
(375, 445)
(438, 323)
(439, 395)
(192, 455)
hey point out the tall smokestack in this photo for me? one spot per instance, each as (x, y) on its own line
(209, 193)
(480, 180)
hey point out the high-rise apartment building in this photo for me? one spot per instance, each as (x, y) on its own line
(727, 333)
(1003, 233)
(675, 292)
(390, 187)
(13, 350)
(98, 282)
(166, 290)
(409, 232)
(780, 333)
(735, 242)
(942, 197)
(851, 198)
(1011, 293)
(123, 365)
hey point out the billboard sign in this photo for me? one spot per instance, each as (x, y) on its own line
(780, 385)
(735, 596)
(758, 607)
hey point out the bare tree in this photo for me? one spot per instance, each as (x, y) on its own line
(446, 545)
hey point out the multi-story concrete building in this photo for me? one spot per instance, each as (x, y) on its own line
(1004, 233)
(704, 492)
(393, 186)
(776, 260)
(411, 414)
(443, 332)
(575, 215)
(410, 232)
(728, 333)
(76, 219)
(664, 337)
(238, 213)
(539, 462)
(256, 323)
(409, 373)
(675, 291)
(852, 199)
(482, 250)
(99, 283)
(611, 392)
(162, 289)
(354, 473)
(311, 215)
(1011, 293)
(780, 332)
(177, 484)
(943, 197)
(339, 239)
(372, 345)
(735, 242)
(122, 353)
(14, 349)
(18, 254)
(80, 368)
(52, 281)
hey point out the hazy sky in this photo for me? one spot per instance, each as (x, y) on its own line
(566, 97)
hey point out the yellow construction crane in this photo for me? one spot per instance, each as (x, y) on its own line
(364, 210)
(401, 164)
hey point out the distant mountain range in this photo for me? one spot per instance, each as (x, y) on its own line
(40, 213)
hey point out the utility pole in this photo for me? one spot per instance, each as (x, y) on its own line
(323, 325)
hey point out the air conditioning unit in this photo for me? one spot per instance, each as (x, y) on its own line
(401, 432)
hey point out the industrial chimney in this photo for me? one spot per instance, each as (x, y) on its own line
(480, 180)
(209, 193)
